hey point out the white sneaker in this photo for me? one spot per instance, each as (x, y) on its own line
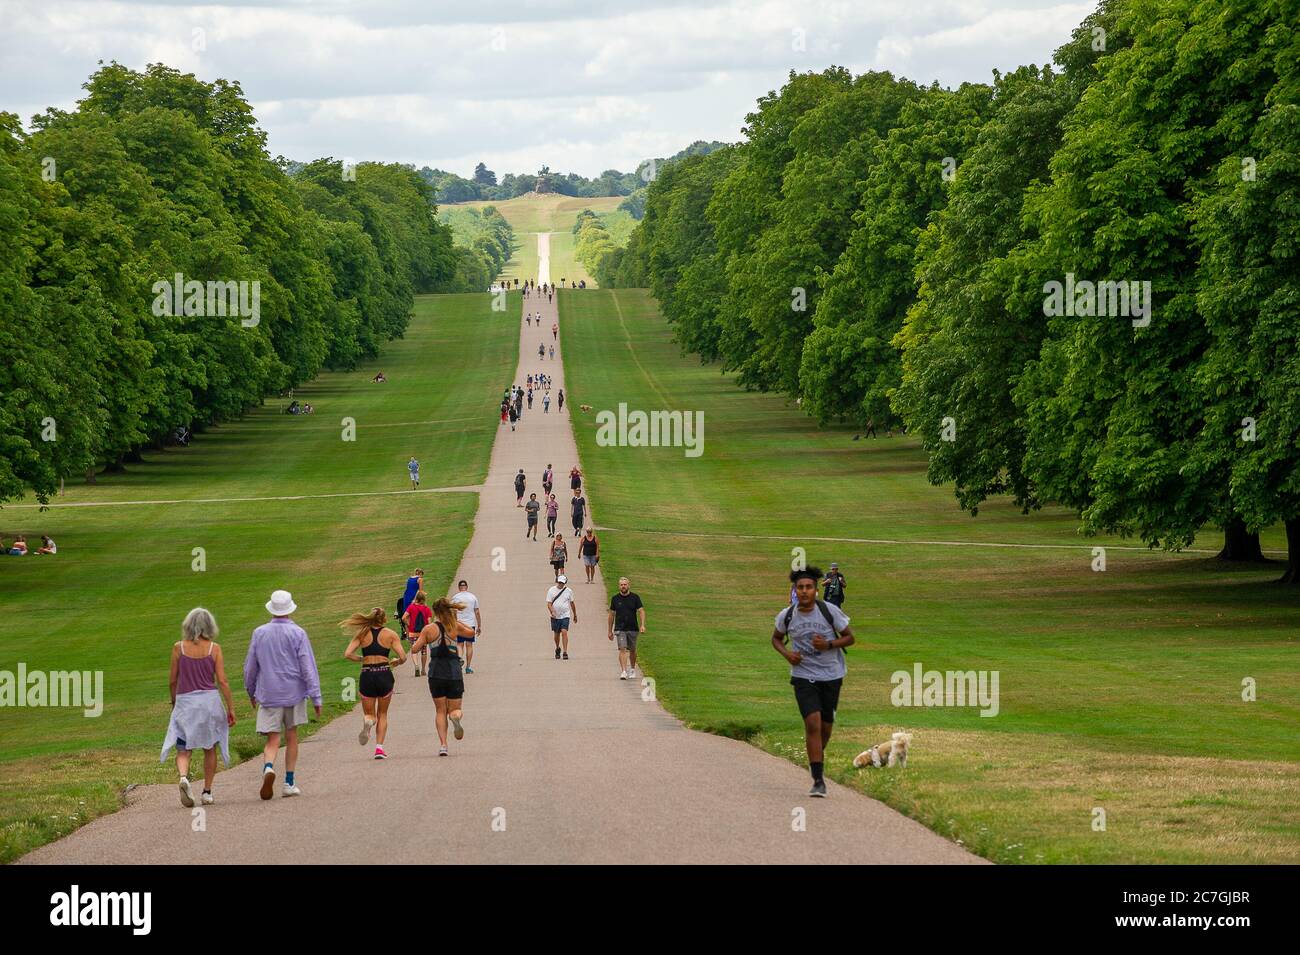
(364, 736)
(187, 794)
(291, 791)
(631, 673)
(207, 799)
(622, 674)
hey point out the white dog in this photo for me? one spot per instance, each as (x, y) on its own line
(890, 753)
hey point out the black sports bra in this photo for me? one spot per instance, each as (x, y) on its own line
(443, 647)
(374, 648)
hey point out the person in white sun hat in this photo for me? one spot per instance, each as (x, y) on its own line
(562, 608)
(280, 675)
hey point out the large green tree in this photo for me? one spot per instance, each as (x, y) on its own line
(1249, 294)
(977, 319)
(776, 288)
(1113, 406)
(851, 363)
(743, 207)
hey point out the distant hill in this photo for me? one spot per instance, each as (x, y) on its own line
(484, 185)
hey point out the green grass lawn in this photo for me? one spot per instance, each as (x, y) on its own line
(1119, 690)
(532, 213)
(523, 264)
(543, 212)
(114, 597)
(564, 264)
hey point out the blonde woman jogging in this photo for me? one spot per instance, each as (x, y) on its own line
(202, 709)
(446, 680)
(370, 646)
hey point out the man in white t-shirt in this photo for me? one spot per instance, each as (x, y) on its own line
(562, 608)
(469, 615)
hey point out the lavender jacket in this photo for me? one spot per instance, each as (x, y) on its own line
(280, 669)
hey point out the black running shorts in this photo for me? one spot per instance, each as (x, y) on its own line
(817, 696)
(451, 689)
(376, 683)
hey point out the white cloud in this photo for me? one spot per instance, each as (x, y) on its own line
(575, 85)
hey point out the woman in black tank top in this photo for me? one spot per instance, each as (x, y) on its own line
(446, 681)
(371, 645)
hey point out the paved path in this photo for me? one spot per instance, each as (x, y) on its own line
(561, 762)
(543, 258)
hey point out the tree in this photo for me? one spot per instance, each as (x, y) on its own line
(484, 176)
(742, 209)
(833, 148)
(851, 363)
(1249, 282)
(977, 319)
(679, 251)
(155, 174)
(1116, 413)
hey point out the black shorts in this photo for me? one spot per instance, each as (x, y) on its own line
(817, 696)
(376, 683)
(451, 689)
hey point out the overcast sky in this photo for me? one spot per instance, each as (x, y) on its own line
(580, 85)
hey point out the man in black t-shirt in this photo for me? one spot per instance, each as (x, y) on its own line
(626, 622)
(833, 587)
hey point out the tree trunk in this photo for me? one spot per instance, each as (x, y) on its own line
(90, 475)
(1292, 575)
(1239, 545)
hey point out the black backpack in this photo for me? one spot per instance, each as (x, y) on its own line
(821, 605)
(420, 621)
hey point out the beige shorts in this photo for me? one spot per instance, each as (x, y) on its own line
(281, 719)
(626, 639)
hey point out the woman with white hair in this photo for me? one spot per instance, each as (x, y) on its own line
(199, 690)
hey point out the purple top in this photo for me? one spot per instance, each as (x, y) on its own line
(196, 673)
(280, 669)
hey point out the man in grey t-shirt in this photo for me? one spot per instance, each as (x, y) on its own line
(816, 658)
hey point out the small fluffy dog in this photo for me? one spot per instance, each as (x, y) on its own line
(584, 408)
(893, 752)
